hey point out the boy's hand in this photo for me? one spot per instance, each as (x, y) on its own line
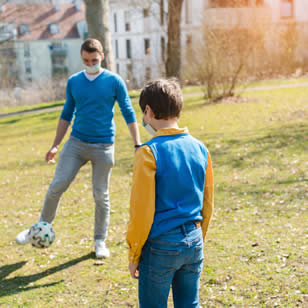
(134, 270)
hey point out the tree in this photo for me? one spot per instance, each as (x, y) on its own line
(173, 63)
(97, 17)
(224, 57)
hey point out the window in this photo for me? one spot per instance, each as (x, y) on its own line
(129, 69)
(146, 13)
(147, 50)
(259, 2)
(53, 29)
(189, 51)
(118, 68)
(163, 48)
(115, 21)
(82, 29)
(229, 4)
(148, 73)
(77, 5)
(56, 45)
(127, 20)
(117, 49)
(162, 13)
(188, 40)
(128, 49)
(286, 8)
(26, 50)
(188, 12)
(23, 29)
(58, 61)
(28, 68)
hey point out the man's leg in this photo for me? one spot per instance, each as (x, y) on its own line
(70, 161)
(102, 158)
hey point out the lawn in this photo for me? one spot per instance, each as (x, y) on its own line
(256, 252)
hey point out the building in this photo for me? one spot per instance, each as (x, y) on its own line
(139, 35)
(41, 41)
(46, 38)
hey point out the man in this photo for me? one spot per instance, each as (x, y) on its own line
(90, 98)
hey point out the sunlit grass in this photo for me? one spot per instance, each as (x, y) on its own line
(256, 249)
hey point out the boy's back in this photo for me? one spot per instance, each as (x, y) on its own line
(171, 203)
(181, 163)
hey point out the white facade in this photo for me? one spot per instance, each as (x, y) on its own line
(143, 25)
(34, 60)
(38, 51)
(282, 9)
(139, 35)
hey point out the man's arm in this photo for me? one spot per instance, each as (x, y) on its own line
(134, 132)
(60, 133)
(63, 124)
(127, 110)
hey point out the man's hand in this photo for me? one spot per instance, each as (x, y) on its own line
(50, 155)
(134, 270)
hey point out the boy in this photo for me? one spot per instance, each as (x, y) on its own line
(171, 203)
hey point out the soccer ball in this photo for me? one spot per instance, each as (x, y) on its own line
(42, 234)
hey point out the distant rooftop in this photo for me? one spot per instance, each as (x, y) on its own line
(37, 20)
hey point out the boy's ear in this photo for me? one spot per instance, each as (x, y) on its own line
(149, 111)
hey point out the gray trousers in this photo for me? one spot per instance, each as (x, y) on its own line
(73, 156)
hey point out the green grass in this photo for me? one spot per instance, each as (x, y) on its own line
(256, 250)
(254, 84)
(134, 94)
(3, 110)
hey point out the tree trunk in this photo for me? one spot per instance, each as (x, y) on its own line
(173, 64)
(97, 16)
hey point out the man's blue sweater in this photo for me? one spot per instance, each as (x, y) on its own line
(92, 103)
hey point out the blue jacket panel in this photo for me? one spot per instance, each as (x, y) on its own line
(181, 163)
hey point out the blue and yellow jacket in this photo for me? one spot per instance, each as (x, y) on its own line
(172, 184)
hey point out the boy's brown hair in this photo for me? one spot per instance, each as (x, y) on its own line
(165, 98)
(92, 45)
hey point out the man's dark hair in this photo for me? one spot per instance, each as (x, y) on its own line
(165, 98)
(91, 45)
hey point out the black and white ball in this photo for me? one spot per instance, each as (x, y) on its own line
(42, 234)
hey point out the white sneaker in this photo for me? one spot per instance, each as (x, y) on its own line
(101, 250)
(23, 237)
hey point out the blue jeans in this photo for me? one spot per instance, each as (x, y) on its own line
(73, 156)
(173, 258)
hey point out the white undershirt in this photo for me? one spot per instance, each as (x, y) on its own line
(92, 77)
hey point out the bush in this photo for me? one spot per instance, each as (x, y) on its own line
(33, 93)
(227, 55)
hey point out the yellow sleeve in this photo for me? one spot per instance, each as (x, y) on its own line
(142, 202)
(208, 198)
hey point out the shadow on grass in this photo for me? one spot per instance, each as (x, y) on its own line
(43, 115)
(272, 141)
(19, 284)
(34, 109)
